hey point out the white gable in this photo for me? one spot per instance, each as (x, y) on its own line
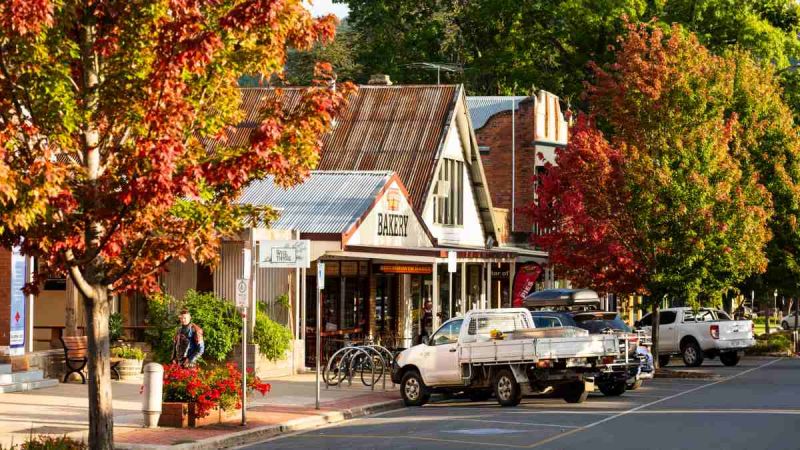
(470, 233)
(390, 223)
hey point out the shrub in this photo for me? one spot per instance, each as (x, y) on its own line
(218, 318)
(273, 339)
(115, 327)
(49, 443)
(773, 343)
(127, 352)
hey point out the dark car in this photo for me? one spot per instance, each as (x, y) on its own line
(580, 308)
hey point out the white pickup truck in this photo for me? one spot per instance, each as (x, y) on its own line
(699, 334)
(500, 351)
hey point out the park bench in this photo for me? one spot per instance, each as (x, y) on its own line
(76, 356)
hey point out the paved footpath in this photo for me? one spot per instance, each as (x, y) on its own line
(755, 405)
(63, 410)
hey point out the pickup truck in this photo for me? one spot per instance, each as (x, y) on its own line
(704, 333)
(500, 351)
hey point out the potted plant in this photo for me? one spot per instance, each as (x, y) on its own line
(195, 397)
(130, 361)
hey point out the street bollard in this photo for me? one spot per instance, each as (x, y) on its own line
(153, 389)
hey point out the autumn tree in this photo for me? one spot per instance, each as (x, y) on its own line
(108, 113)
(657, 201)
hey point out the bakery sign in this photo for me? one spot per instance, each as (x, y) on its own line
(390, 223)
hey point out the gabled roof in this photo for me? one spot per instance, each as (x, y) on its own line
(327, 202)
(482, 108)
(394, 128)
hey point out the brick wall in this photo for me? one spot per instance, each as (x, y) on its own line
(5, 296)
(496, 134)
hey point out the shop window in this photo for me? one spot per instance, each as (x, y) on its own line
(448, 199)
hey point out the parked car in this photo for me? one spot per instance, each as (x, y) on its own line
(628, 373)
(695, 335)
(788, 322)
(501, 351)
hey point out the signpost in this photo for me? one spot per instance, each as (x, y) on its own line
(320, 287)
(285, 254)
(242, 289)
(17, 322)
(452, 265)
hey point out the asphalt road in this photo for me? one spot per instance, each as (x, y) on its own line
(755, 405)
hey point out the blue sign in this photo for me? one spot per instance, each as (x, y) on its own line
(17, 337)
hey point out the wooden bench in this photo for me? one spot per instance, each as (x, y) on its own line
(76, 356)
(76, 351)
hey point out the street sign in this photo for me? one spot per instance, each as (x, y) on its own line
(17, 322)
(285, 254)
(452, 264)
(321, 275)
(241, 293)
(247, 257)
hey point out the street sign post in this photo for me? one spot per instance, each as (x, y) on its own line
(320, 287)
(241, 293)
(452, 265)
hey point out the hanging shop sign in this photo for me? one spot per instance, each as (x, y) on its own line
(524, 282)
(285, 254)
(417, 269)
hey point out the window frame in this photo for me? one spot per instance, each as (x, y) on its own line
(432, 340)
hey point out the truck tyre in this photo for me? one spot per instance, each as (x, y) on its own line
(730, 358)
(413, 389)
(506, 388)
(575, 392)
(612, 389)
(479, 395)
(663, 360)
(692, 354)
(634, 386)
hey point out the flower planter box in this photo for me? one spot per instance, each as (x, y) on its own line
(182, 415)
(129, 368)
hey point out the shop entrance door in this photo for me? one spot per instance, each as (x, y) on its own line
(421, 294)
(387, 301)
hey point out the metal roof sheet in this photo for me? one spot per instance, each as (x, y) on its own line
(482, 108)
(394, 128)
(327, 202)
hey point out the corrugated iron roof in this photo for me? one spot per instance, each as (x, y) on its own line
(394, 128)
(482, 108)
(327, 202)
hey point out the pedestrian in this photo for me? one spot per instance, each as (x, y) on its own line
(188, 345)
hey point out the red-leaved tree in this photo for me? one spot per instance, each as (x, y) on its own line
(109, 110)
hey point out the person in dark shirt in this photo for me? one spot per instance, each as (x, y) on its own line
(188, 345)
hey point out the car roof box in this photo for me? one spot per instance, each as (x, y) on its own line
(562, 298)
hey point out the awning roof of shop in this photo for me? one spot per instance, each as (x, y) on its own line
(327, 202)
(439, 253)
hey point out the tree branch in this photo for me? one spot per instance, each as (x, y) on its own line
(77, 276)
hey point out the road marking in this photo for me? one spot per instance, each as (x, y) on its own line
(520, 423)
(721, 411)
(646, 405)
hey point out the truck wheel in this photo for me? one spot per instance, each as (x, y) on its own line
(663, 360)
(634, 386)
(479, 395)
(612, 389)
(506, 388)
(730, 358)
(575, 392)
(692, 354)
(413, 389)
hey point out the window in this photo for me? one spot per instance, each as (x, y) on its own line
(647, 321)
(666, 317)
(505, 323)
(447, 334)
(723, 315)
(547, 322)
(448, 197)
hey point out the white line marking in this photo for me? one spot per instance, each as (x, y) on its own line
(520, 423)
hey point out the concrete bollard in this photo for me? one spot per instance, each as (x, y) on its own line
(153, 391)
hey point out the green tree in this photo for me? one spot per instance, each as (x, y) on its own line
(666, 194)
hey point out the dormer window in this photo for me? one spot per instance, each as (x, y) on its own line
(448, 196)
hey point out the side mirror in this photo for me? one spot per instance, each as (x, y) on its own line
(426, 340)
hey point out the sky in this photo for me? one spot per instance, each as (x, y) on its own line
(322, 7)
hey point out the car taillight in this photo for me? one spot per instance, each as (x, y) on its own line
(608, 359)
(544, 364)
(715, 331)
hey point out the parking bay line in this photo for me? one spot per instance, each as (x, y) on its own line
(633, 410)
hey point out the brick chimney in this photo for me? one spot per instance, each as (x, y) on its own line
(379, 79)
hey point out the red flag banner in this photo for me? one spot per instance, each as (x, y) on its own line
(524, 281)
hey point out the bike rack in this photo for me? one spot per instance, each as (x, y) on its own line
(346, 359)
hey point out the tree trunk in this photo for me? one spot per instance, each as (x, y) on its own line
(71, 309)
(656, 322)
(101, 415)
